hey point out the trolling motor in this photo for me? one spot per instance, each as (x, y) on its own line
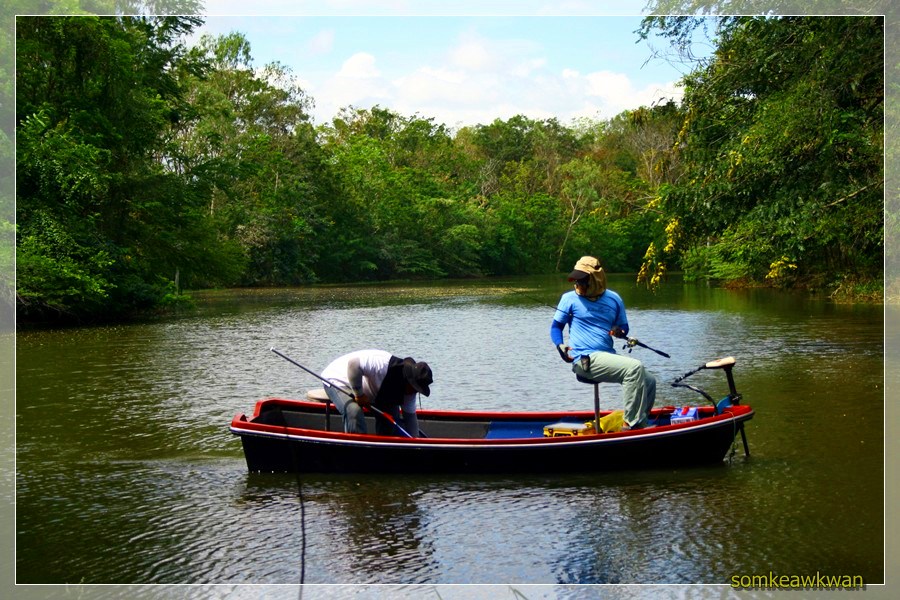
(732, 399)
(733, 396)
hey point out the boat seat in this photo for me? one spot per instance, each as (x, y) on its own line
(596, 385)
(320, 395)
(317, 395)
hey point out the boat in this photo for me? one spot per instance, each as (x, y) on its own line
(306, 435)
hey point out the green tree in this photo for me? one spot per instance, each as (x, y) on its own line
(782, 150)
(250, 144)
(399, 177)
(102, 224)
(580, 193)
(522, 233)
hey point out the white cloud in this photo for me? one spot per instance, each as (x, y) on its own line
(308, 87)
(321, 43)
(456, 97)
(526, 68)
(472, 53)
(477, 53)
(430, 84)
(607, 86)
(359, 66)
(617, 92)
(357, 83)
(478, 80)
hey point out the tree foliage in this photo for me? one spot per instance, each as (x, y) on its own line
(782, 148)
(95, 212)
(145, 167)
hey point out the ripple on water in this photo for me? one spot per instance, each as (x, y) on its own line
(126, 472)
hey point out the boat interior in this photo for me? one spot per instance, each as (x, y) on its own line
(321, 417)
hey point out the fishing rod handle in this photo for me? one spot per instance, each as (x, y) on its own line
(635, 342)
(390, 419)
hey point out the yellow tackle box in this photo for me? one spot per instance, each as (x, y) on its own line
(569, 429)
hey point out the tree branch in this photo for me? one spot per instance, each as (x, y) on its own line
(847, 197)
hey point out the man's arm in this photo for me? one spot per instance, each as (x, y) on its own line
(410, 418)
(355, 379)
(556, 332)
(556, 336)
(621, 318)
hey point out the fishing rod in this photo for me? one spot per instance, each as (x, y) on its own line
(631, 342)
(617, 332)
(378, 412)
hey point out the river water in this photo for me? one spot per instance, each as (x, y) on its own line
(126, 472)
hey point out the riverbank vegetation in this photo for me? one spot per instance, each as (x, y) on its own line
(146, 168)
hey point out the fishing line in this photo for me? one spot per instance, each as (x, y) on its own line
(296, 464)
(533, 299)
(302, 526)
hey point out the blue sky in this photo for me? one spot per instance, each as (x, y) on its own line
(461, 70)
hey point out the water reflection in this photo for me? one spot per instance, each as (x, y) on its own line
(632, 528)
(126, 472)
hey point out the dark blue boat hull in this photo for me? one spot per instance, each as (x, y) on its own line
(275, 448)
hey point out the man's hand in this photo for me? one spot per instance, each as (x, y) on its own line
(362, 400)
(564, 353)
(618, 332)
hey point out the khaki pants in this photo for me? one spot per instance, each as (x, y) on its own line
(638, 384)
(351, 412)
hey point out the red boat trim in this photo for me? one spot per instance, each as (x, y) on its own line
(240, 426)
(467, 414)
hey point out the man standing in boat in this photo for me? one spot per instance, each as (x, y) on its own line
(594, 315)
(376, 377)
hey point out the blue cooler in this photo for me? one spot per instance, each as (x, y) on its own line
(684, 414)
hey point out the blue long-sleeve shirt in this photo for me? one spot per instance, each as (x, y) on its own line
(589, 322)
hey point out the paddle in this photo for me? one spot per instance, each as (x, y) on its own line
(378, 412)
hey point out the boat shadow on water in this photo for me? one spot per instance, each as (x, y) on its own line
(554, 528)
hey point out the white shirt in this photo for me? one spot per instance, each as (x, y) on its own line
(372, 363)
(373, 367)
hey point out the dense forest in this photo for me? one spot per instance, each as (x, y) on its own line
(146, 168)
